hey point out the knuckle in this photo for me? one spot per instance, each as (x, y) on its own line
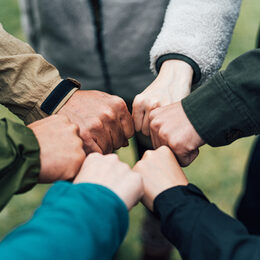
(119, 102)
(148, 153)
(112, 156)
(109, 115)
(163, 134)
(154, 124)
(138, 99)
(165, 149)
(96, 124)
(93, 156)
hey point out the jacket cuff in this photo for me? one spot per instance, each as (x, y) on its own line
(177, 56)
(173, 198)
(54, 100)
(59, 96)
(217, 114)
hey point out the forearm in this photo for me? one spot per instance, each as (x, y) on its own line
(70, 224)
(199, 31)
(26, 79)
(178, 75)
(200, 230)
(19, 160)
(227, 107)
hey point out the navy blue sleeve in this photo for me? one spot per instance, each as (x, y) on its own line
(199, 230)
(75, 222)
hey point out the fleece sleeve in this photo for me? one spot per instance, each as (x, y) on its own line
(79, 222)
(200, 31)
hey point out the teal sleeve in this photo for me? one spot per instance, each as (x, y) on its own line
(75, 222)
(19, 156)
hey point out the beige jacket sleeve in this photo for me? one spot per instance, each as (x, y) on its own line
(26, 78)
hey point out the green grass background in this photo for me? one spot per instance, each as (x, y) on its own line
(218, 171)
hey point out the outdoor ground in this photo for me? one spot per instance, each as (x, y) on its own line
(217, 171)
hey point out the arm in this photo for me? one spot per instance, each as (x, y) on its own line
(189, 49)
(20, 156)
(224, 109)
(32, 89)
(200, 230)
(197, 32)
(195, 226)
(84, 220)
(70, 224)
(27, 79)
(232, 98)
(40, 152)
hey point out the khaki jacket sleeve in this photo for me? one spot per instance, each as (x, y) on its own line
(19, 156)
(26, 78)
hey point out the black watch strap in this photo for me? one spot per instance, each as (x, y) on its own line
(58, 94)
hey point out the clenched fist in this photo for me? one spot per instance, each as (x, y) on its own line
(170, 126)
(172, 84)
(108, 171)
(104, 121)
(160, 171)
(61, 149)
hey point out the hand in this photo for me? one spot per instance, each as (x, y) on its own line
(160, 171)
(108, 171)
(172, 84)
(170, 126)
(104, 121)
(61, 149)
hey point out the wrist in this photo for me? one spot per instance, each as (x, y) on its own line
(177, 71)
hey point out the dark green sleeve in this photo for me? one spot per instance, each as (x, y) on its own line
(227, 107)
(19, 156)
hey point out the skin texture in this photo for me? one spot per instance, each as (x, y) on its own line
(60, 159)
(160, 171)
(117, 176)
(172, 84)
(104, 121)
(170, 126)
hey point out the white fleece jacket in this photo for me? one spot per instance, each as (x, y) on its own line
(199, 29)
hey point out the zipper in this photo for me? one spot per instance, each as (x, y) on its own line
(96, 6)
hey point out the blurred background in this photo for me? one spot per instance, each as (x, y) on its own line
(219, 172)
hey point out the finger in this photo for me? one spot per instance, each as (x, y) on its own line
(104, 140)
(155, 139)
(117, 135)
(138, 116)
(146, 123)
(127, 124)
(91, 147)
(186, 160)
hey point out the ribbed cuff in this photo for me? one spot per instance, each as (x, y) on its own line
(177, 56)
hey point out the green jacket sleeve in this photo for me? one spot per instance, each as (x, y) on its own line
(227, 107)
(19, 156)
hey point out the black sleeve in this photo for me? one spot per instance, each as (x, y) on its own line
(199, 230)
(227, 107)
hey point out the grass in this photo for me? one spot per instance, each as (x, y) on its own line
(217, 171)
